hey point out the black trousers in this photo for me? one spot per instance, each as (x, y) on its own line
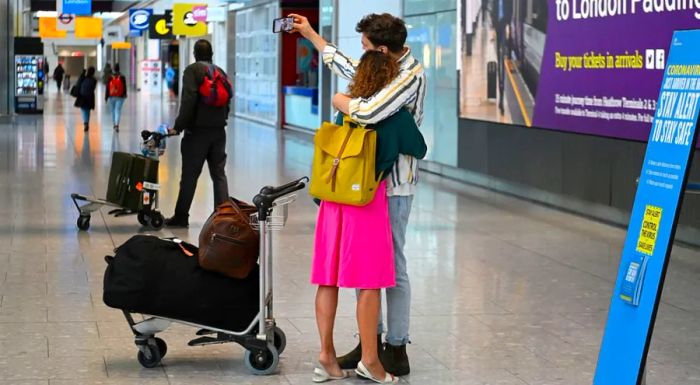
(197, 147)
(502, 54)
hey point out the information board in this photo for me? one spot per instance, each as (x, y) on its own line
(654, 216)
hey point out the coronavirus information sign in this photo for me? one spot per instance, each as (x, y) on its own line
(654, 216)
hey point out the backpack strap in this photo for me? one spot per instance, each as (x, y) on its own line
(210, 69)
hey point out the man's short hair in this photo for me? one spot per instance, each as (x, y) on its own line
(203, 50)
(384, 29)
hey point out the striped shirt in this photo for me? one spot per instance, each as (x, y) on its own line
(406, 90)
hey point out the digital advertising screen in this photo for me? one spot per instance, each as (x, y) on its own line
(585, 66)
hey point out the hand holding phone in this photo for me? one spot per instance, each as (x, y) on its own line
(282, 24)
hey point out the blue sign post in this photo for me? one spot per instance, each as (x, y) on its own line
(652, 226)
(77, 7)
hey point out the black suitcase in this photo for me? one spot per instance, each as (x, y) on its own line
(155, 276)
(491, 79)
(127, 172)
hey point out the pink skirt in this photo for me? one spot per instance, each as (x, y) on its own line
(353, 246)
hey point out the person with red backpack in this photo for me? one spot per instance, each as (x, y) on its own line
(204, 109)
(115, 94)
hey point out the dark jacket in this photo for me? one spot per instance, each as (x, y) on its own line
(397, 134)
(507, 11)
(194, 115)
(58, 73)
(86, 93)
(123, 79)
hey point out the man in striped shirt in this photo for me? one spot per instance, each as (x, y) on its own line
(384, 33)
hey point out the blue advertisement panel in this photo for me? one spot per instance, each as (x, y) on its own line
(77, 7)
(654, 216)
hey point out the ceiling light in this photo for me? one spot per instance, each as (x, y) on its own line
(46, 14)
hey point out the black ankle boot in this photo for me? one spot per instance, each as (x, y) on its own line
(87, 127)
(350, 360)
(395, 360)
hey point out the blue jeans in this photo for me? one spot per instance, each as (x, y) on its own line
(86, 115)
(398, 298)
(116, 103)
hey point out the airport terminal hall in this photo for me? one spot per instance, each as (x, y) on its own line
(288, 192)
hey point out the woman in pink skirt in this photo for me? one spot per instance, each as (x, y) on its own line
(354, 249)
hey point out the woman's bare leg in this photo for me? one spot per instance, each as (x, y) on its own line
(367, 316)
(326, 305)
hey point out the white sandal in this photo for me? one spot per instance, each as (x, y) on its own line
(363, 372)
(321, 375)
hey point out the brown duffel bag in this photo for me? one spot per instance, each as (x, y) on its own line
(227, 243)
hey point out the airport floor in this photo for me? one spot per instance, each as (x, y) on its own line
(505, 292)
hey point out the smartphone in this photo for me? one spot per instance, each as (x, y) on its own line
(282, 24)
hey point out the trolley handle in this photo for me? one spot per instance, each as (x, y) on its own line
(145, 135)
(264, 201)
(267, 190)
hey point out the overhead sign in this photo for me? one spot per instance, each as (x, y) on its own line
(199, 13)
(66, 22)
(159, 27)
(76, 7)
(652, 226)
(184, 22)
(88, 27)
(47, 28)
(121, 45)
(139, 19)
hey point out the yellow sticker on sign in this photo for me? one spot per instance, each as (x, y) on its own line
(184, 21)
(649, 231)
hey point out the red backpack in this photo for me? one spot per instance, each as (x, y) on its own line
(116, 86)
(215, 89)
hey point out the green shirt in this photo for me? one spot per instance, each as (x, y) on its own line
(397, 134)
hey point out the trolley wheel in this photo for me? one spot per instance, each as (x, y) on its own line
(162, 347)
(84, 222)
(280, 340)
(151, 358)
(157, 220)
(143, 218)
(262, 362)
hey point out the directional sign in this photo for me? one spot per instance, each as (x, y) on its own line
(159, 27)
(139, 19)
(184, 22)
(66, 22)
(76, 7)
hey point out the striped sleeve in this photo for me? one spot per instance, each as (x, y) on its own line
(420, 100)
(400, 92)
(337, 62)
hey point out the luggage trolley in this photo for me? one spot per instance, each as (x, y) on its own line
(263, 340)
(152, 146)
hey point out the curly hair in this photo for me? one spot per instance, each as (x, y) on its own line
(375, 71)
(384, 29)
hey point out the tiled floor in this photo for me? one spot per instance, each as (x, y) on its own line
(505, 292)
